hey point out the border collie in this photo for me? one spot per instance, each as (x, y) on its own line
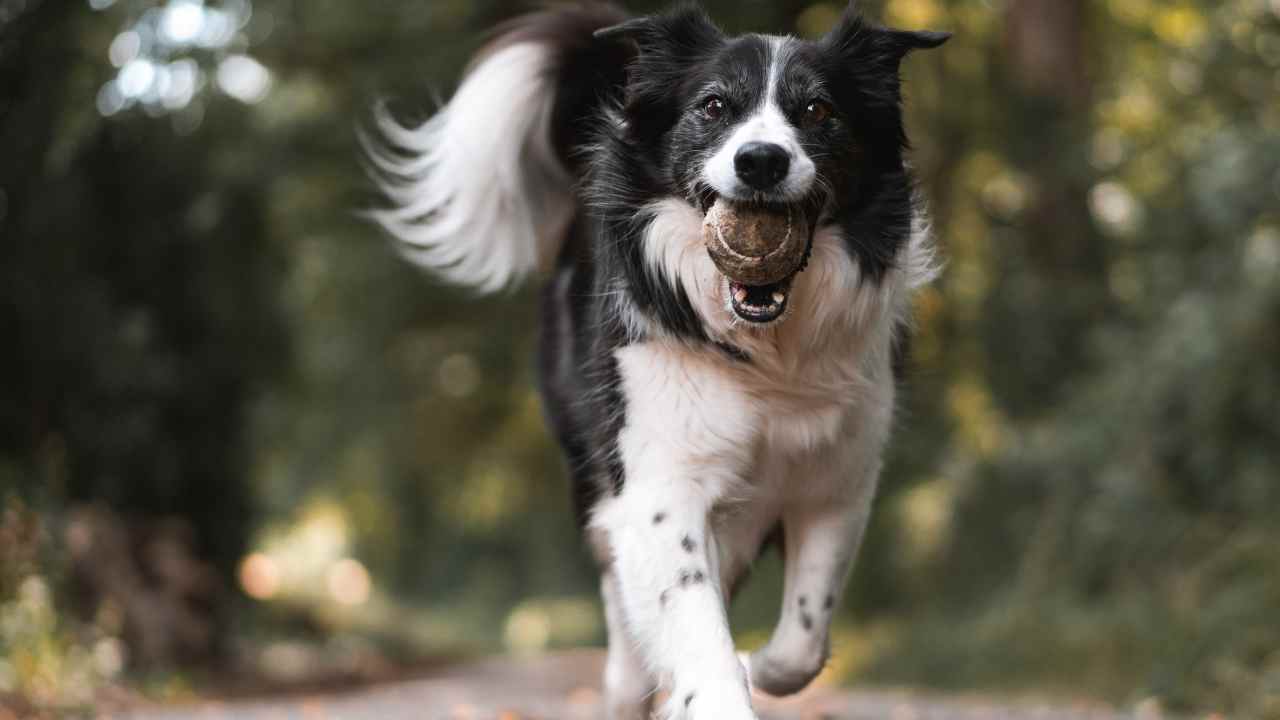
(701, 418)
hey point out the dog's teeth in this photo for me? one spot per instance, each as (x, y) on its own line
(779, 297)
(740, 295)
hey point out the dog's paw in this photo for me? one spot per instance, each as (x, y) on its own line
(781, 674)
(708, 705)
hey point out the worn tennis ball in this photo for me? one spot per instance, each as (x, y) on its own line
(753, 245)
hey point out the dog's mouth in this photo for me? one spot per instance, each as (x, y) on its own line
(758, 272)
(761, 304)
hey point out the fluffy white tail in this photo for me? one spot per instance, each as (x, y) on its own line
(478, 193)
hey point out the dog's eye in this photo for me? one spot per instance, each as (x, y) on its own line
(816, 113)
(713, 108)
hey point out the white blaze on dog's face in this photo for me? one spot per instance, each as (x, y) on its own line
(762, 159)
(756, 119)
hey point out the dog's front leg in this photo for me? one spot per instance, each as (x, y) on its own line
(822, 532)
(685, 442)
(665, 564)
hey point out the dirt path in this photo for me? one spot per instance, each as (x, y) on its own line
(566, 687)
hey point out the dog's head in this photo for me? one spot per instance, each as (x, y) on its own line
(810, 129)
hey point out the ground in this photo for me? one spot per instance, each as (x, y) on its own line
(566, 687)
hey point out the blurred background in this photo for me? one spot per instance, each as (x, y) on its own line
(243, 445)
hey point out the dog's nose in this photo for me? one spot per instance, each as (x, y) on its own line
(762, 165)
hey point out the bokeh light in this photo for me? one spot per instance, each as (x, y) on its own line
(244, 78)
(259, 576)
(528, 629)
(348, 582)
(166, 53)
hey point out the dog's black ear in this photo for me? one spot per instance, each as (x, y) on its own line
(628, 29)
(681, 32)
(909, 40)
(668, 46)
(856, 38)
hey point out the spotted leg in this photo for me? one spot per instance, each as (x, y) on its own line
(684, 444)
(821, 540)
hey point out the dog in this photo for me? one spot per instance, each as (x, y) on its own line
(701, 418)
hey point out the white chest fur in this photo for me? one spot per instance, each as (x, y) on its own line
(827, 358)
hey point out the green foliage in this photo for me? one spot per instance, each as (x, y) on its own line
(44, 656)
(1107, 523)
